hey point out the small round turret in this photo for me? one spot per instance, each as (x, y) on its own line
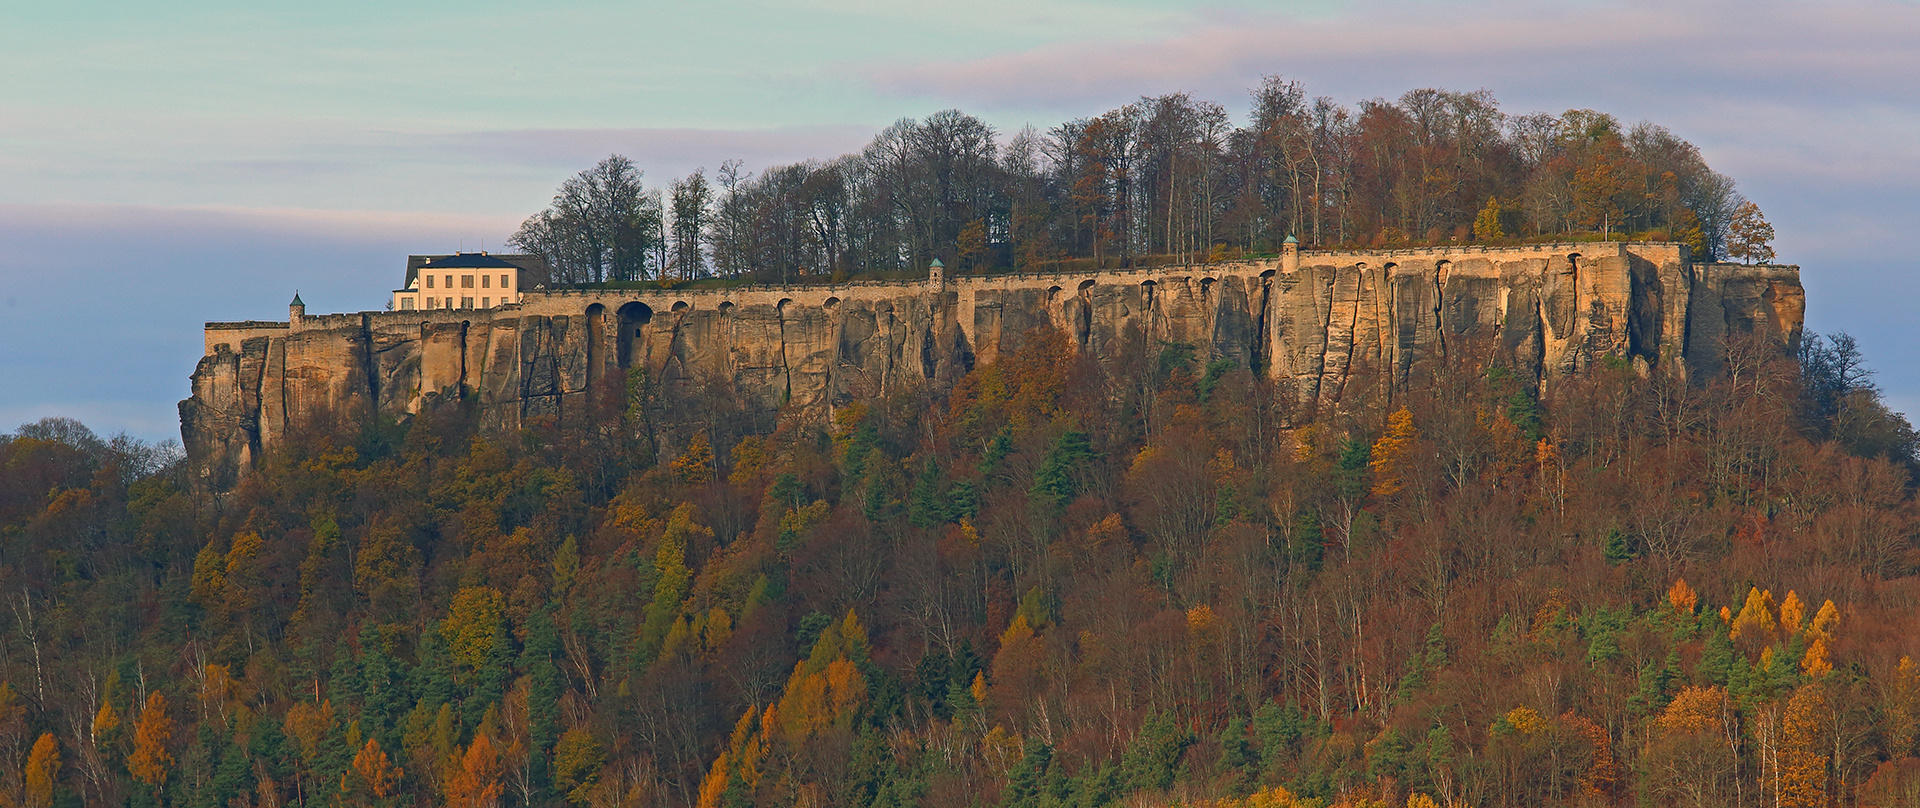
(296, 311)
(1290, 255)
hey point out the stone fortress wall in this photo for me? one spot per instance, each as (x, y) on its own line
(1308, 319)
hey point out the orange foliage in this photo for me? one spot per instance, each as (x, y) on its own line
(1815, 663)
(43, 769)
(1824, 621)
(1681, 597)
(375, 770)
(309, 725)
(152, 731)
(1392, 453)
(1792, 614)
(1802, 773)
(476, 782)
(1602, 775)
(695, 465)
(1694, 711)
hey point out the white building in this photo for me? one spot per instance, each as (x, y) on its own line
(467, 280)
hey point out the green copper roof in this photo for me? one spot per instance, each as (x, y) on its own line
(296, 301)
(1292, 240)
(937, 265)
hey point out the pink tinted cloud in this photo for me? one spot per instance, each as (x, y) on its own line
(1852, 48)
(661, 152)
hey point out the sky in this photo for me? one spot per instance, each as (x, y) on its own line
(162, 165)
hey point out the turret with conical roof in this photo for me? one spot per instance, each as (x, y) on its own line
(296, 311)
(1290, 255)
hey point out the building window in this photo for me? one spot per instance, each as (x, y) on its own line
(429, 281)
(486, 281)
(486, 302)
(406, 304)
(466, 281)
(504, 283)
(466, 302)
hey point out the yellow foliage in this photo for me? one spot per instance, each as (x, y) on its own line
(1815, 663)
(676, 637)
(1526, 719)
(1017, 633)
(1268, 797)
(695, 465)
(373, 767)
(715, 783)
(1681, 596)
(1486, 226)
(1726, 615)
(979, 688)
(106, 720)
(1419, 800)
(1201, 622)
(1755, 616)
(470, 625)
(1392, 453)
(1303, 449)
(1824, 621)
(1792, 614)
(1001, 749)
(43, 769)
(719, 628)
(309, 724)
(151, 732)
(749, 458)
(1695, 710)
(208, 586)
(1141, 460)
(1802, 766)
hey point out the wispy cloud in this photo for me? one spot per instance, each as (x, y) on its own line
(1823, 53)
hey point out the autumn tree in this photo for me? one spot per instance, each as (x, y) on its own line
(42, 772)
(1749, 236)
(1486, 226)
(152, 733)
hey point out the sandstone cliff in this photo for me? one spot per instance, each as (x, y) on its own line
(1311, 321)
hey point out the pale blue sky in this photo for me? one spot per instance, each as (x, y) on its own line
(162, 165)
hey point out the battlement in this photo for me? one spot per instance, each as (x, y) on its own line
(1315, 323)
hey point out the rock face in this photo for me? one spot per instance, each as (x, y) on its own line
(1310, 321)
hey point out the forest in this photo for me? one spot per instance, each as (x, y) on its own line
(1167, 179)
(1066, 582)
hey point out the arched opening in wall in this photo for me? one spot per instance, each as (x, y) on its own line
(832, 302)
(596, 343)
(680, 306)
(1053, 295)
(1086, 285)
(1206, 287)
(1147, 288)
(630, 332)
(725, 307)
